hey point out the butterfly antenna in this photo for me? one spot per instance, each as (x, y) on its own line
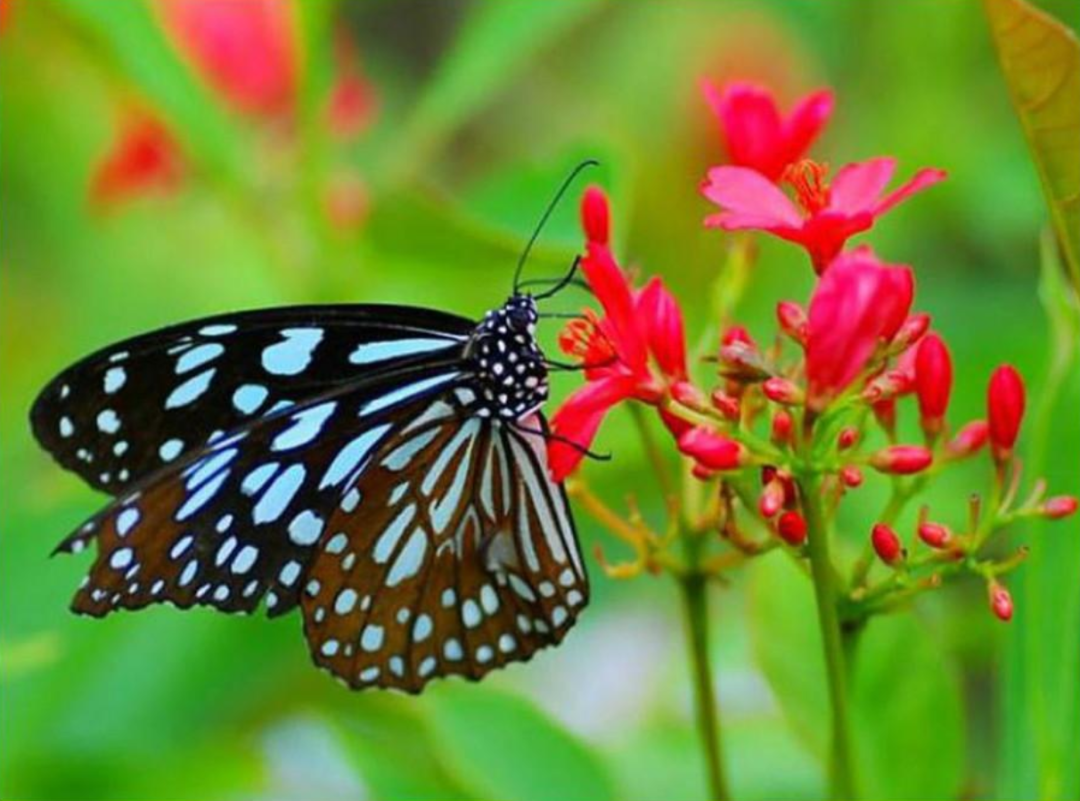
(567, 182)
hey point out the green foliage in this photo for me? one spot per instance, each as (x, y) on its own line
(479, 117)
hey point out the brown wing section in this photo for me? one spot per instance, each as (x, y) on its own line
(453, 554)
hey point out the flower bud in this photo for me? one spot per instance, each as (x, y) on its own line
(737, 334)
(742, 361)
(689, 395)
(792, 319)
(782, 426)
(1005, 406)
(902, 460)
(727, 405)
(596, 216)
(1059, 506)
(847, 438)
(935, 535)
(933, 382)
(969, 439)
(851, 476)
(712, 450)
(782, 390)
(701, 473)
(791, 526)
(910, 332)
(1001, 603)
(886, 544)
(885, 413)
(772, 498)
(888, 386)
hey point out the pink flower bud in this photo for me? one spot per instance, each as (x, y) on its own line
(887, 386)
(782, 426)
(712, 450)
(792, 528)
(688, 395)
(596, 216)
(781, 390)
(933, 382)
(902, 460)
(727, 405)
(792, 319)
(772, 497)
(969, 439)
(851, 476)
(886, 544)
(742, 362)
(911, 331)
(847, 438)
(738, 334)
(1059, 506)
(885, 413)
(935, 535)
(1001, 603)
(701, 473)
(1005, 406)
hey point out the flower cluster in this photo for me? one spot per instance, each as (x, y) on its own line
(247, 55)
(789, 429)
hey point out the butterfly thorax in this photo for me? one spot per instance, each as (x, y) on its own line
(509, 364)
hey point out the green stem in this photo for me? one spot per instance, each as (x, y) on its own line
(695, 600)
(841, 779)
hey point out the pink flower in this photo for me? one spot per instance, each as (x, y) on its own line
(754, 132)
(143, 158)
(245, 50)
(636, 351)
(352, 102)
(858, 305)
(826, 215)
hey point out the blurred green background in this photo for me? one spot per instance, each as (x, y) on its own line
(470, 114)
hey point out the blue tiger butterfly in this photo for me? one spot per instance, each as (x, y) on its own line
(382, 467)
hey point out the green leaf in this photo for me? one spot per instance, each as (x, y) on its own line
(1040, 59)
(494, 44)
(905, 699)
(505, 746)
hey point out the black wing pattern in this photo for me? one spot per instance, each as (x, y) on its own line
(126, 411)
(452, 553)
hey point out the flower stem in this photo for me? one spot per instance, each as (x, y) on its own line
(695, 600)
(841, 778)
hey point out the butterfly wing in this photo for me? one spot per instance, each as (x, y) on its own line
(239, 520)
(460, 556)
(134, 408)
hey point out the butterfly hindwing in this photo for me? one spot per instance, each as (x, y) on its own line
(239, 520)
(452, 553)
(130, 410)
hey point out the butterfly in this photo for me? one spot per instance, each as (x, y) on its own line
(383, 468)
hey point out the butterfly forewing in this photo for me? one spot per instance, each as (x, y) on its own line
(458, 556)
(239, 520)
(136, 407)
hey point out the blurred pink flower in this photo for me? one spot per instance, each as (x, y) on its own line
(352, 103)
(245, 50)
(144, 157)
(754, 132)
(826, 214)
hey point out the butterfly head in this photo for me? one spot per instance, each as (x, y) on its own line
(510, 366)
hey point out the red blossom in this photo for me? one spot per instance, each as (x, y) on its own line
(143, 158)
(755, 133)
(901, 460)
(886, 544)
(969, 439)
(1001, 603)
(826, 216)
(933, 382)
(858, 304)
(246, 50)
(791, 526)
(712, 450)
(935, 535)
(637, 350)
(1005, 399)
(1059, 506)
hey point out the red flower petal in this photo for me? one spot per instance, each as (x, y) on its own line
(661, 317)
(857, 187)
(748, 200)
(579, 418)
(922, 179)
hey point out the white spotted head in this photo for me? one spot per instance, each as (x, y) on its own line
(510, 369)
